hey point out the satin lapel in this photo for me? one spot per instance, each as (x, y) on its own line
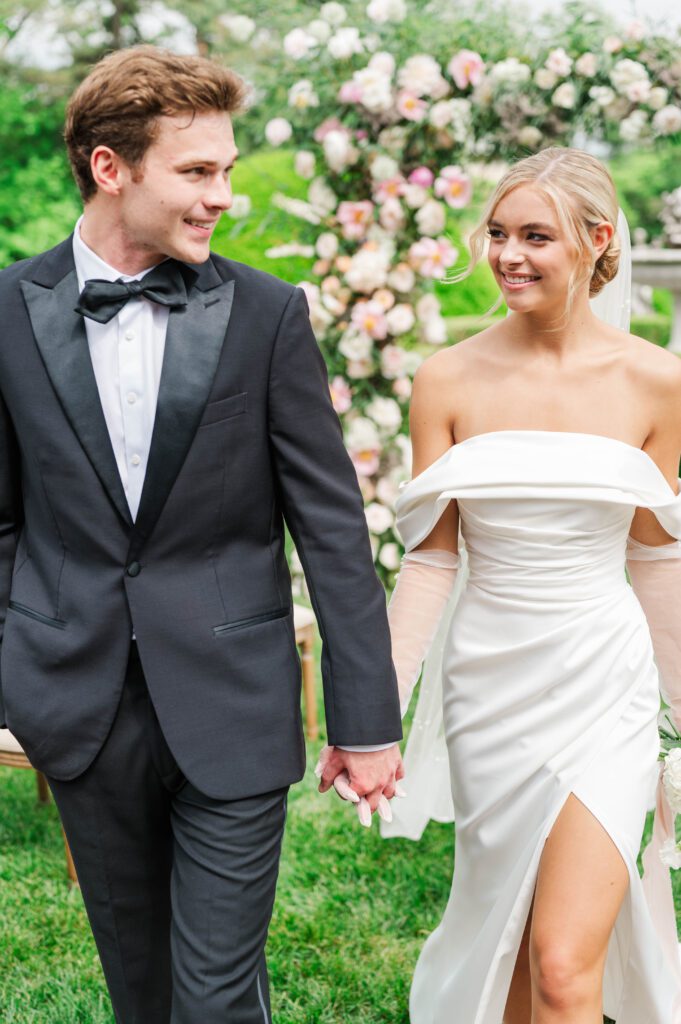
(192, 350)
(61, 338)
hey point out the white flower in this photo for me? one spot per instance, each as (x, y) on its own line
(321, 197)
(639, 91)
(344, 43)
(379, 518)
(388, 488)
(334, 13)
(627, 71)
(667, 121)
(326, 245)
(633, 127)
(355, 344)
(454, 114)
(511, 71)
(611, 44)
(657, 97)
(239, 26)
(304, 163)
(393, 363)
(415, 196)
(587, 65)
(428, 306)
(671, 779)
(385, 412)
(383, 62)
(400, 318)
(412, 361)
(559, 62)
(301, 95)
(392, 139)
(277, 252)
(361, 434)
(421, 75)
(565, 96)
(435, 330)
(368, 270)
(389, 556)
(402, 278)
(358, 368)
(392, 215)
(670, 854)
(545, 78)
(376, 92)
(298, 43)
(384, 167)
(529, 136)
(635, 30)
(320, 30)
(431, 218)
(241, 206)
(338, 151)
(278, 131)
(602, 95)
(381, 11)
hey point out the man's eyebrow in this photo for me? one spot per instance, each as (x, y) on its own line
(199, 162)
(534, 226)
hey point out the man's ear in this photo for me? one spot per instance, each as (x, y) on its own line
(109, 170)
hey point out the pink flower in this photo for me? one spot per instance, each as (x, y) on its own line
(402, 388)
(422, 176)
(466, 68)
(410, 106)
(370, 318)
(349, 92)
(390, 188)
(332, 124)
(432, 256)
(454, 187)
(341, 394)
(393, 362)
(355, 218)
(365, 461)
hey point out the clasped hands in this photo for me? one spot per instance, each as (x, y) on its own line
(367, 779)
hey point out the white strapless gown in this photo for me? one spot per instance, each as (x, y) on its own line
(549, 688)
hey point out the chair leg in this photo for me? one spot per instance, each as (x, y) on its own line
(309, 688)
(43, 788)
(70, 866)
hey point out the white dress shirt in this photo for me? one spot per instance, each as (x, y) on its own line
(127, 357)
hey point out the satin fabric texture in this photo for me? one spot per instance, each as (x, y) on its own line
(549, 688)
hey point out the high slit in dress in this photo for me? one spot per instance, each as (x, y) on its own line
(549, 688)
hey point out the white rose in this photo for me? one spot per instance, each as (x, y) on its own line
(632, 127)
(384, 167)
(657, 97)
(389, 556)
(559, 62)
(638, 92)
(435, 330)
(388, 488)
(602, 95)
(319, 30)
(392, 139)
(381, 11)
(431, 218)
(386, 413)
(278, 131)
(670, 854)
(368, 270)
(321, 197)
(400, 318)
(421, 75)
(337, 150)
(326, 245)
(587, 65)
(428, 306)
(392, 215)
(565, 96)
(301, 95)
(241, 206)
(545, 78)
(454, 114)
(402, 278)
(239, 26)
(376, 90)
(355, 344)
(298, 43)
(359, 368)
(511, 71)
(627, 71)
(344, 43)
(383, 62)
(667, 121)
(415, 196)
(412, 361)
(333, 13)
(529, 136)
(379, 518)
(361, 434)
(304, 164)
(671, 779)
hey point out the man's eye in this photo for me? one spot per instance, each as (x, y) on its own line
(195, 170)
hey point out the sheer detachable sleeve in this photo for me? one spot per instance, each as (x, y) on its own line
(424, 584)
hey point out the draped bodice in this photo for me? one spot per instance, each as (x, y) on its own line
(542, 512)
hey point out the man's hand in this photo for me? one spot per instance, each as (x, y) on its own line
(372, 776)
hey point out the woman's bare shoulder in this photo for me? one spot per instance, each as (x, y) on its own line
(653, 366)
(448, 365)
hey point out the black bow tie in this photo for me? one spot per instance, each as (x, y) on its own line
(101, 300)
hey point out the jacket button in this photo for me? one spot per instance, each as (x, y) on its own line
(134, 569)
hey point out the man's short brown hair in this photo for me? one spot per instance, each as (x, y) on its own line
(120, 101)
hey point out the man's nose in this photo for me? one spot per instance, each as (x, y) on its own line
(219, 195)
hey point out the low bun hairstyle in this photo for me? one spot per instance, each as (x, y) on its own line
(582, 192)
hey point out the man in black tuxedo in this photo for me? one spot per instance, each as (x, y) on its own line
(163, 412)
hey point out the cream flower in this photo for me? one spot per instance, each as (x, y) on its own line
(667, 121)
(431, 218)
(241, 206)
(559, 62)
(421, 75)
(304, 164)
(671, 779)
(386, 413)
(239, 26)
(344, 43)
(382, 11)
(278, 130)
(326, 245)
(625, 72)
(511, 71)
(400, 318)
(355, 344)
(565, 96)
(379, 518)
(670, 854)
(384, 167)
(602, 95)
(383, 62)
(301, 95)
(587, 65)
(298, 43)
(368, 269)
(334, 13)
(545, 78)
(341, 394)
(389, 556)
(402, 278)
(392, 215)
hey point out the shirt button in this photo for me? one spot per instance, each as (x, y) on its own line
(134, 569)
(135, 460)
(129, 335)
(132, 397)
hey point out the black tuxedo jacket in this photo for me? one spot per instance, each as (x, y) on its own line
(245, 439)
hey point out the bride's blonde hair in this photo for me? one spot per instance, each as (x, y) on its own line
(581, 191)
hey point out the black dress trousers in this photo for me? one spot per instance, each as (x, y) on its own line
(178, 887)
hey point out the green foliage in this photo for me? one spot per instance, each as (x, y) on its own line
(641, 177)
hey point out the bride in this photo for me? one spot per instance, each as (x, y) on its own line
(551, 441)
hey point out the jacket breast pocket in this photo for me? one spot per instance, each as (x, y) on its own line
(225, 409)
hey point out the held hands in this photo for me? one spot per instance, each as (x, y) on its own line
(368, 780)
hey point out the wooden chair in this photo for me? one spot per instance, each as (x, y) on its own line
(12, 755)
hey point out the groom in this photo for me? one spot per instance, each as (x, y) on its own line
(158, 428)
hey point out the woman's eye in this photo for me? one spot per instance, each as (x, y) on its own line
(534, 237)
(494, 232)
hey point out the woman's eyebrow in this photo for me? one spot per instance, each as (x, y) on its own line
(534, 226)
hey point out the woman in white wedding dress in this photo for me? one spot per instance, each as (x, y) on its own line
(552, 440)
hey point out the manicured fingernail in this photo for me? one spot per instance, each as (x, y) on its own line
(364, 813)
(318, 769)
(399, 791)
(385, 810)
